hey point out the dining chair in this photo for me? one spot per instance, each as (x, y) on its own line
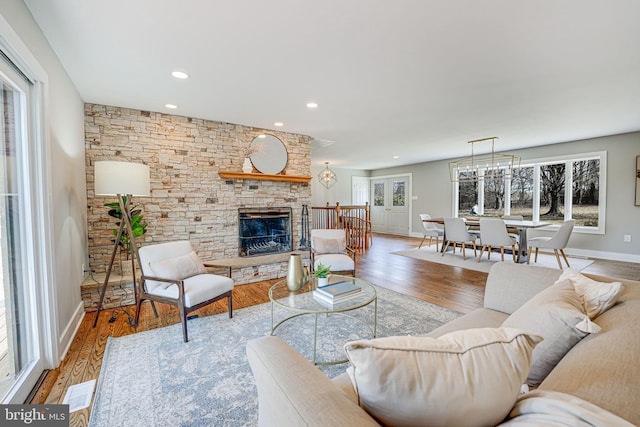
(173, 274)
(493, 234)
(430, 231)
(329, 247)
(456, 232)
(512, 231)
(557, 242)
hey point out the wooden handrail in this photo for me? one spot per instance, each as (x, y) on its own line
(354, 219)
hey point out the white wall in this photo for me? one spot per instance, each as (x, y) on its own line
(340, 192)
(65, 137)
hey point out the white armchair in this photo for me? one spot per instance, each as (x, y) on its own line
(173, 274)
(329, 247)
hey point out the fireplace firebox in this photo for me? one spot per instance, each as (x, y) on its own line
(264, 231)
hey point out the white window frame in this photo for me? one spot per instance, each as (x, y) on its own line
(568, 160)
(39, 246)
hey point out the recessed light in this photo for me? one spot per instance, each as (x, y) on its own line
(396, 157)
(312, 105)
(278, 124)
(180, 75)
(262, 136)
(171, 106)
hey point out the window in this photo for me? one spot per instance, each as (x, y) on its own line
(522, 192)
(552, 190)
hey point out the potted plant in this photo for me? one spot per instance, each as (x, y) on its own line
(322, 272)
(138, 227)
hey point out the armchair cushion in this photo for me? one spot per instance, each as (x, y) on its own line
(465, 378)
(337, 262)
(329, 246)
(197, 289)
(177, 268)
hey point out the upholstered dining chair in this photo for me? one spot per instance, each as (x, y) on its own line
(173, 274)
(329, 247)
(512, 231)
(493, 234)
(430, 230)
(455, 231)
(557, 242)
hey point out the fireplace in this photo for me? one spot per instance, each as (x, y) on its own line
(263, 231)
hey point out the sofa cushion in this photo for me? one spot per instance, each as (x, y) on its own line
(470, 377)
(545, 408)
(558, 316)
(603, 368)
(597, 297)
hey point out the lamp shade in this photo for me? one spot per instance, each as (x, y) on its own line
(113, 178)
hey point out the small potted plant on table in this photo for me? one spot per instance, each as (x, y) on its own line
(322, 272)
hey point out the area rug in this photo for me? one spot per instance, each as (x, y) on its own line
(428, 253)
(152, 378)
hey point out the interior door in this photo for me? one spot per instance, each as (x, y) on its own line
(390, 207)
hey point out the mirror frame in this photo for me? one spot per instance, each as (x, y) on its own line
(270, 155)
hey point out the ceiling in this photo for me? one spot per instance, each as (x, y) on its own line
(413, 79)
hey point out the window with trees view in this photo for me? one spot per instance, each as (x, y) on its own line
(551, 190)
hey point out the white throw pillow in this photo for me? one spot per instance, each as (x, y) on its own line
(177, 268)
(597, 297)
(465, 378)
(558, 316)
(330, 246)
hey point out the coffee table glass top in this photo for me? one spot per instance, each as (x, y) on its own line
(303, 300)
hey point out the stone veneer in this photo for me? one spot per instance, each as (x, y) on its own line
(188, 199)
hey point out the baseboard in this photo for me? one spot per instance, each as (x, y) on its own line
(611, 256)
(585, 253)
(69, 333)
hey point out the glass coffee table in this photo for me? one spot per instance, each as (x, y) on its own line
(302, 303)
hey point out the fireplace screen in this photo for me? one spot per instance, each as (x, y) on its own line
(264, 231)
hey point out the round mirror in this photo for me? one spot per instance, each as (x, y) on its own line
(269, 155)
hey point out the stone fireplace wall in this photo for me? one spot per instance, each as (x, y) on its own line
(188, 199)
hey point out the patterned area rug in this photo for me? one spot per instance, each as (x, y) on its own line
(427, 253)
(154, 379)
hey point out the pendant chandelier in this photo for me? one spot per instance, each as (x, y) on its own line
(483, 166)
(327, 177)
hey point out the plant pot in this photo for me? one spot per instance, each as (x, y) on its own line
(323, 281)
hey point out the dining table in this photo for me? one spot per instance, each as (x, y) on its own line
(520, 225)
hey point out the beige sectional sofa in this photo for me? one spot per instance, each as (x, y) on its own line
(597, 382)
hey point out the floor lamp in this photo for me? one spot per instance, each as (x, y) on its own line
(123, 180)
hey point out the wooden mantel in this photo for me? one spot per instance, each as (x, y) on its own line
(264, 177)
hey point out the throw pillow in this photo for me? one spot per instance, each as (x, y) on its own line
(597, 297)
(329, 246)
(465, 378)
(177, 268)
(558, 316)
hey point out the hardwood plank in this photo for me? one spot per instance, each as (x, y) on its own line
(451, 287)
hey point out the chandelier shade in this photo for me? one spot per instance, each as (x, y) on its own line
(483, 166)
(327, 177)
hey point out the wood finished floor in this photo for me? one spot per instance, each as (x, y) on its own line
(451, 287)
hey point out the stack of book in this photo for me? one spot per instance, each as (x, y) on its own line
(336, 293)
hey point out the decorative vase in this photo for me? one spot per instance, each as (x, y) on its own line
(247, 167)
(323, 281)
(296, 277)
